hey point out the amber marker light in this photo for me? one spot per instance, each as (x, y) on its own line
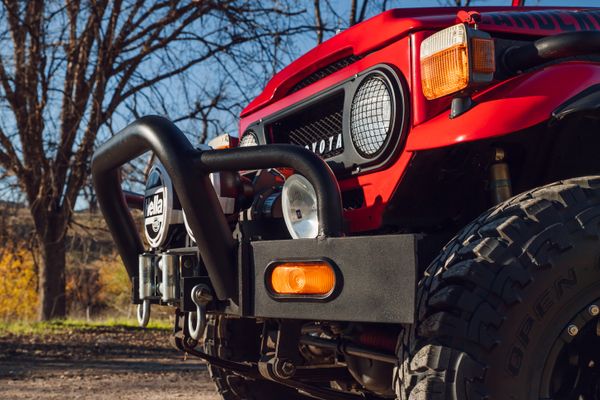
(223, 141)
(455, 59)
(302, 278)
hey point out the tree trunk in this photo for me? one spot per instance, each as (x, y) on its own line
(52, 301)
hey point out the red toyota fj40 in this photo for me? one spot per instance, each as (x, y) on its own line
(410, 213)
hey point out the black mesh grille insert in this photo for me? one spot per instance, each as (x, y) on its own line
(324, 72)
(318, 127)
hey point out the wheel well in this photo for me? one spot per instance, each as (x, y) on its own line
(444, 189)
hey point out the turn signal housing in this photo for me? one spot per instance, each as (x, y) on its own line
(223, 141)
(456, 59)
(314, 278)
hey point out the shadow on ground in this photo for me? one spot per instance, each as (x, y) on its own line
(104, 363)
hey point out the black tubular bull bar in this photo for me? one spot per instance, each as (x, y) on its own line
(189, 169)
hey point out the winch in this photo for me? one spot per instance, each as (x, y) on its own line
(174, 279)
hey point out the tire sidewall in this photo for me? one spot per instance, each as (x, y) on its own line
(556, 295)
(501, 295)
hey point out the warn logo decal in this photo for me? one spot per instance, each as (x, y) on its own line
(324, 146)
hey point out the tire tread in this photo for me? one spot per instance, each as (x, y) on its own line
(465, 293)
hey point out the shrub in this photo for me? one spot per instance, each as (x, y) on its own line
(116, 293)
(18, 286)
(97, 286)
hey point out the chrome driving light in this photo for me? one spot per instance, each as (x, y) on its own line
(299, 204)
(371, 116)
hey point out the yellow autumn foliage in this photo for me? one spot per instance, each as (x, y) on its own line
(115, 282)
(99, 282)
(18, 286)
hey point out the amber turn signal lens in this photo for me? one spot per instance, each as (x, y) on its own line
(483, 55)
(445, 72)
(221, 142)
(454, 59)
(304, 278)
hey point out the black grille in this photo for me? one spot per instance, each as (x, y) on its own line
(318, 127)
(324, 72)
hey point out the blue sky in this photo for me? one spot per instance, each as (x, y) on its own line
(341, 7)
(243, 84)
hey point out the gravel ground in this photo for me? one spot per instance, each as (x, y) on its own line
(100, 363)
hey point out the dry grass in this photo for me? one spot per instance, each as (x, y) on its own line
(75, 325)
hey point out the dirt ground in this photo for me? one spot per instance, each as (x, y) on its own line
(104, 363)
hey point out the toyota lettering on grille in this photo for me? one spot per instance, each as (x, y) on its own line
(326, 145)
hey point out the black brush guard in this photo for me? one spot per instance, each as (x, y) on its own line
(379, 272)
(189, 169)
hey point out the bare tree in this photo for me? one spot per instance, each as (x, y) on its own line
(455, 3)
(319, 27)
(67, 70)
(357, 16)
(329, 17)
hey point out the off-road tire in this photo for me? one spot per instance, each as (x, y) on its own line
(239, 340)
(504, 289)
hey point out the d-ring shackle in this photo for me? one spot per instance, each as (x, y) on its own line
(201, 296)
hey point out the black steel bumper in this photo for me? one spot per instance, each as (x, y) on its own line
(378, 272)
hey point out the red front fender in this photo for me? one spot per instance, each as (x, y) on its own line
(507, 107)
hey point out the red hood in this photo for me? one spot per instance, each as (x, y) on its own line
(391, 25)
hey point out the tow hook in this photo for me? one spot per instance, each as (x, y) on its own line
(201, 296)
(146, 288)
(143, 313)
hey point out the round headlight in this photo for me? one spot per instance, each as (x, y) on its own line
(371, 116)
(248, 139)
(299, 204)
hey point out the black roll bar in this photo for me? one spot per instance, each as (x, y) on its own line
(189, 168)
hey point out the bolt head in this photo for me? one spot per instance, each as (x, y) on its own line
(284, 369)
(594, 310)
(573, 330)
(201, 294)
(288, 368)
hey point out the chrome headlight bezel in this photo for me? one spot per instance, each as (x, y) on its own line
(349, 161)
(248, 138)
(372, 108)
